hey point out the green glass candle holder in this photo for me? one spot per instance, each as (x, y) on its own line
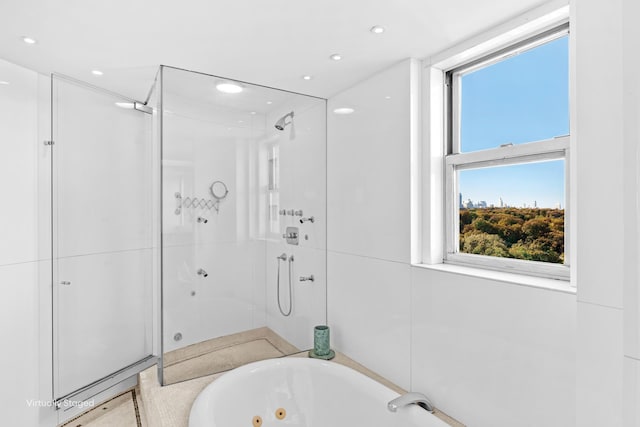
(321, 343)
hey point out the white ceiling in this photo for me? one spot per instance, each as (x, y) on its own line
(268, 42)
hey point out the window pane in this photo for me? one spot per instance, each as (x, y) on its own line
(513, 211)
(523, 98)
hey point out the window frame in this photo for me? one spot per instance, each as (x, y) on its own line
(509, 154)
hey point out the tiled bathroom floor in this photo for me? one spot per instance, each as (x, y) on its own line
(124, 410)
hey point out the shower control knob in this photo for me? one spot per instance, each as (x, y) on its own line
(307, 278)
(65, 283)
(310, 219)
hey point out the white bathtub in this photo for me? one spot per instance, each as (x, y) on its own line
(313, 393)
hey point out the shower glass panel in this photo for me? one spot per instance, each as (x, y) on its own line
(102, 239)
(233, 288)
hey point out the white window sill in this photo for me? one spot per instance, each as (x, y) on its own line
(500, 276)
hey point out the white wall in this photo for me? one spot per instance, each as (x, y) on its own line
(368, 220)
(607, 125)
(197, 152)
(24, 268)
(631, 302)
(302, 186)
(486, 352)
(489, 352)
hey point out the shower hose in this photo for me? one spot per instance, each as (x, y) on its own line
(285, 314)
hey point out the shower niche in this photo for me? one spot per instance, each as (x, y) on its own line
(241, 166)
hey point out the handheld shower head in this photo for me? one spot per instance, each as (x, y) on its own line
(282, 123)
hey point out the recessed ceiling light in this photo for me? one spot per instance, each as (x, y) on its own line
(387, 97)
(269, 102)
(336, 57)
(125, 105)
(3, 82)
(97, 72)
(240, 121)
(228, 87)
(307, 77)
(253, 113)
(343, 110)
(377, 29)
(29, 40)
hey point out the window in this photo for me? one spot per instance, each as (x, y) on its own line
(506, 158)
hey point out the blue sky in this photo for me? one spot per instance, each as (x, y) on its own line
(521, 99)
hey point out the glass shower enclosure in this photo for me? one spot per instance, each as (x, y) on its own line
(243, 185)
(188, 230)
(103, 240)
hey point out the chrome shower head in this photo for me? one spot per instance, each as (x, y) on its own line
(281, 123)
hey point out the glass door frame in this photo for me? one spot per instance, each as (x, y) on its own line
(100, 385)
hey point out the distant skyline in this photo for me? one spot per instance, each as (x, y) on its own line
(521, 99)
(516, 185)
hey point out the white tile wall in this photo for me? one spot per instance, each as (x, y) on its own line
(599, 117)
(632, 318)
(504, 347)
(368, 162)
(307, 174)
(106, 303)
(309, 298)
(19, 315)
(599, 366)
(178, 281)
(225, 298)
(102, 174)
(607, 282)
(43, 171)
(198, 152)
(369, 313)
(631, 392)
(493, 354)
(631, 70)
(302, 186)
(48, 416)
(18, 164)
(24, 183)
